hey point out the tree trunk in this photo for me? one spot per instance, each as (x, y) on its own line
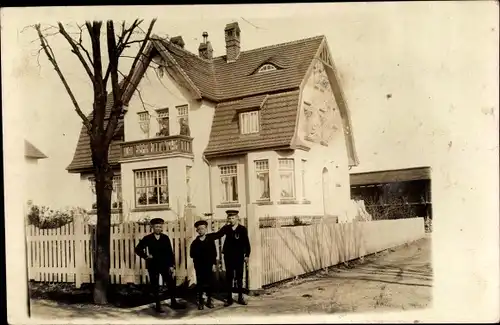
(104, 187)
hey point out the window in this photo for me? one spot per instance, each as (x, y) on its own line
(163, 122)
(267, 67)
(229, 183)
(262, 174)
(183, 120)
(182, 112)
(287, 178)
(144, 121)
(249, 122)
(303, 175)
(188, 184)
(116, 194)
(151, 187)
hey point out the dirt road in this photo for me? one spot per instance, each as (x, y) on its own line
(398, 279)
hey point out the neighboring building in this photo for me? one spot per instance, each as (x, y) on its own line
(267, 126)
(397, 193)
(31, 173)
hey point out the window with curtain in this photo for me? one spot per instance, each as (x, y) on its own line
(229, 183)
(151, 187)
(262, 175)
(287, 178)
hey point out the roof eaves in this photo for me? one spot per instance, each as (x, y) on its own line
(164, 52)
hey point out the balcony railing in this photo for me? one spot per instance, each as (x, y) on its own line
(157, 146)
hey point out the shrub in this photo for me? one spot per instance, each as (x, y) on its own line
(45, 218)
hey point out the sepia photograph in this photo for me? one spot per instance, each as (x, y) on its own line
(201, 163)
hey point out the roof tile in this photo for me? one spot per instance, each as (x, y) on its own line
(234, 86)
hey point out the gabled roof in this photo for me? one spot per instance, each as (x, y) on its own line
(221, 81)
(391, 176)
(30, 151)
(232, 86)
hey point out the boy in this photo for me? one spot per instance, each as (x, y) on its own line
(159, 261)
(236, 252)
(204, 255)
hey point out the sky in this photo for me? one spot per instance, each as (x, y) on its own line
(420, 80)
(408, 70)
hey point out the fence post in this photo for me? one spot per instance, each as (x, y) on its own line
(190, 273)
(79, 242)
(255, 262)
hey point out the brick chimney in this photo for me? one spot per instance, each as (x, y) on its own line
(205, 49)
(232, 36)
(177, 40)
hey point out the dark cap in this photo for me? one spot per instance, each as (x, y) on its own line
(200, 223)
(157, 221)
(232, 212)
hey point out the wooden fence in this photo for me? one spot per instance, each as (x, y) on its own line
(66, 254)
(293, 251)
(281, 249)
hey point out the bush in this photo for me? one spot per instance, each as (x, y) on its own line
(45, 218)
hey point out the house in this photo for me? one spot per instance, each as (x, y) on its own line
(32, 174)
(268, 126)
(394, 191)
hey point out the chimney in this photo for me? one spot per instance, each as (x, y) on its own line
(232, 36)
(177, 40)
(205, 49)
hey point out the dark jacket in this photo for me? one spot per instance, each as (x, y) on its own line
(160, 249)
(203, 252)
(236, 243)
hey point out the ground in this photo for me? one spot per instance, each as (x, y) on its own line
(399, 278)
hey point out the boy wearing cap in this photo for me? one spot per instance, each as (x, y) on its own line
(159, 261)
(236, 252)
(204, 255)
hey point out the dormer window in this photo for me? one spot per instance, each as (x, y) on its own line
(266, 68)
(249, 122)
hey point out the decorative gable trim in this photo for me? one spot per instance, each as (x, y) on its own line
(177, 73)
(324, 56)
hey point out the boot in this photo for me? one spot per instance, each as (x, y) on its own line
(229, 301)
(210, 303)
(158, 308)
(175, 305)
(241, 301)
(200, 303)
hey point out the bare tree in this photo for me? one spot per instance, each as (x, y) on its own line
(100, 127)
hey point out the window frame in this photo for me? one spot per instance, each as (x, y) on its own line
(257, 172)
(250, 114)
(222, 185)
(290, 171)
(267, 67)
(117, 188)
(158, 186)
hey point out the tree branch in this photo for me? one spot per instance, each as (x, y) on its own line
(51, 57)
(126, 84)
(123, 39)
(117, 108)
(80, 44)
(76, 51)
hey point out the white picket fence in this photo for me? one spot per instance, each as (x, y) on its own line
(278, 252)
(66, 254)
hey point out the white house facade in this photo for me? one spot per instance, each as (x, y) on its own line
(267, 126)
